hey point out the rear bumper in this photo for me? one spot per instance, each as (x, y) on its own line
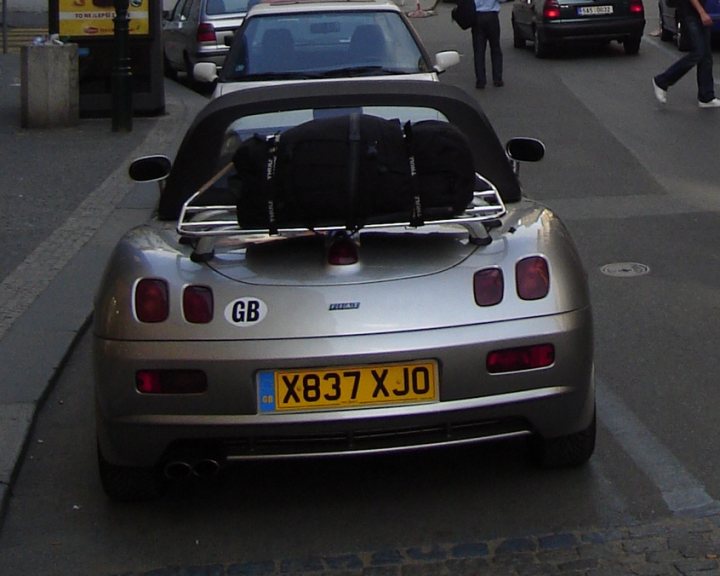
(590, 31)
(474, 406)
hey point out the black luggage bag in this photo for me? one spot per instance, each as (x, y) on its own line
(351, 171)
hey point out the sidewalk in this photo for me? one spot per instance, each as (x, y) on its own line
(65, 200)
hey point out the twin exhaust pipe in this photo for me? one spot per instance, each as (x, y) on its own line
(178, 469)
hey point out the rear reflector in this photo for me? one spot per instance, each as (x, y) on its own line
(198, 304)
(525, 358)
(171, 381)
(488, 286)
(151, 300)
(532, 278)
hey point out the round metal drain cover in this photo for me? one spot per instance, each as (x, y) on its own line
(625, 269)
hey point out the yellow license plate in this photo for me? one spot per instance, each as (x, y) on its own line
(347, 386)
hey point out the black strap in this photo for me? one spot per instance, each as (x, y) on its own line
(269, 185)
(416, 209)
(353, 171)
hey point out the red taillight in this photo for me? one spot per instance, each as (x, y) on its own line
(636, 7)
(525, 358)
(488, 286)
(151, 300)
(551, 10)
(532, 278)
(198, 304)
(206, 33)
(171, 381)
(343, 251)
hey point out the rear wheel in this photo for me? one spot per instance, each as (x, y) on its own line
(127, 484)
(518, 40)
(632, 45)
(540, 48)
(565, 451)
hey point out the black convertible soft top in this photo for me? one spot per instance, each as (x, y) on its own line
(197, 158)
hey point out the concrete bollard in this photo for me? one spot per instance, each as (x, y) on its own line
(50, 91)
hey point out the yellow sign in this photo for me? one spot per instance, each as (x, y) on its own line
(95, 17)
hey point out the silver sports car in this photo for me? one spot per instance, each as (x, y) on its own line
(220, 339)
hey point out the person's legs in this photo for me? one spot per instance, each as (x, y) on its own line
(496, 56)
(695, 33)
(479, 38)
(705, 82)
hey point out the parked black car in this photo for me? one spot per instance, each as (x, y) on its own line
(549, 23)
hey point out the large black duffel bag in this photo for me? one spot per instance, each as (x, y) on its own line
(353, 170)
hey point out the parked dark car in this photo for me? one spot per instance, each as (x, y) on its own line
(549, 23)
(195, 31)
(671, 26)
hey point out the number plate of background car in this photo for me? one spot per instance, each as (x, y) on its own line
(594, 10)
(347, 386)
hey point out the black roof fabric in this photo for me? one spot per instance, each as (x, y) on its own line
(197, 157)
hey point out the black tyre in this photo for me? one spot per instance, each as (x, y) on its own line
(540, 48)
(169, 71)
(126, 484)
(666, 35)
(632, 45)
(518, 40)
(565, 451)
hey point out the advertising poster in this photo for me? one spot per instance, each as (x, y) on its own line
(88, 18)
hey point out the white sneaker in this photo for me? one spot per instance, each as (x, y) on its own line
(714, 103)
(660, 94)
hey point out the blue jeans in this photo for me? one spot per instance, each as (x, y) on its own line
(700, 55)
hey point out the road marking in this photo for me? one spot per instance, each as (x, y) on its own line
(681, 491)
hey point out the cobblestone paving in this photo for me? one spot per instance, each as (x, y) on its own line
(680, 546)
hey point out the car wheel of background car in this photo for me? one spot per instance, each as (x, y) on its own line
(170, 72)
(188, 69)
(518, 40)
(126, 484)
(540, 48)
(565, 451)
(632, 45)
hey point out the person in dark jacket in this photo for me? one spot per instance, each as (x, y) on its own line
(696, 25)
(486, 30)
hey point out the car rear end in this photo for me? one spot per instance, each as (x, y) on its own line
(590, 21)
(218, 22)
(321, 345)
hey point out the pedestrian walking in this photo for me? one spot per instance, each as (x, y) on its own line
(486, 30)
(696, 25)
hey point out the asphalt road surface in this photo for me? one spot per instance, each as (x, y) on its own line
(637, 185)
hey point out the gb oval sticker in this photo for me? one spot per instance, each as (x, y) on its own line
(245, 311)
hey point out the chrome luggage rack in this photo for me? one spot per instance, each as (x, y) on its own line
(207, 223)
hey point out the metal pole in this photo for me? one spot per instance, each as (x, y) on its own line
(122, 72)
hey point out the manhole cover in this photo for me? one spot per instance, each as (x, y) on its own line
(625, 269)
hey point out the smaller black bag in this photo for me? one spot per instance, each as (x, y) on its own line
(464, 13)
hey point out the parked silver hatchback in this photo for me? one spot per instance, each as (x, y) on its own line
(196, 31)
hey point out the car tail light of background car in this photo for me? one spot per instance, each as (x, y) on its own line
(551, 10)
(171, 381)
(206, 33)
(343, 251)
(523, 358)
(151, 300)
(636, 7)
